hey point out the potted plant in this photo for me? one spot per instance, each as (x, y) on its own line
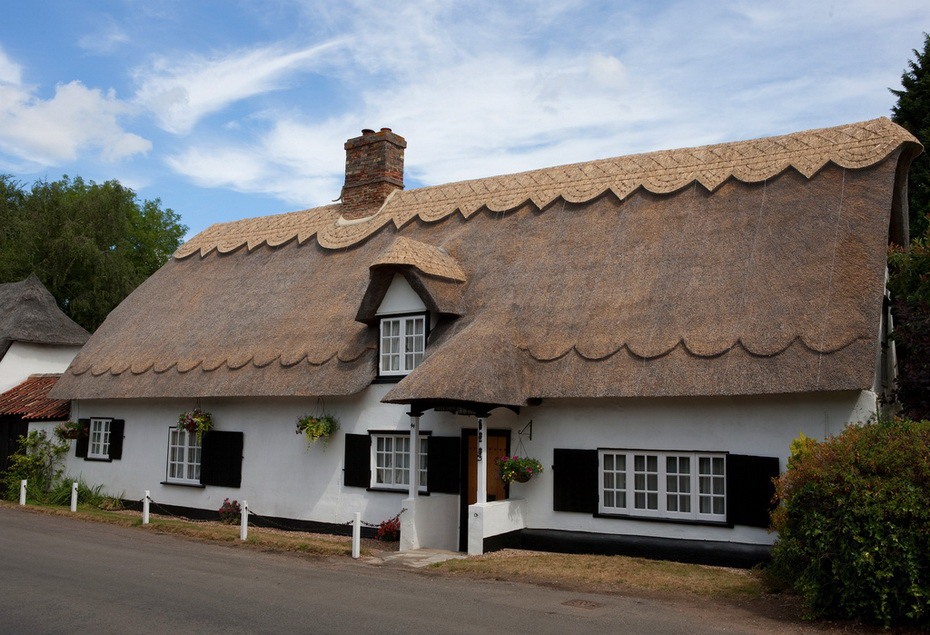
(315, 427)
(518, 468)
(69, 430)
(196, 421)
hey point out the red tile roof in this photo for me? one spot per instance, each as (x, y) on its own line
(30, 400)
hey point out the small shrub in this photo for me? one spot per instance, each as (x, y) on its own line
(60, 493)
(230, 511)
(389, 530)
(854, 523)
(112, 504)
(38, 460)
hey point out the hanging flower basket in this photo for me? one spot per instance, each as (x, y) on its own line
(315, 428)
(69, 430)
(196, 421)
(518, 468)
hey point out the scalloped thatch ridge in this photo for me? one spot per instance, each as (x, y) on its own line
(853, 146)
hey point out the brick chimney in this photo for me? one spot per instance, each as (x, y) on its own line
(374, 168)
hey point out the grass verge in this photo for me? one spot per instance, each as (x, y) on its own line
(259, 537)
(611, 574)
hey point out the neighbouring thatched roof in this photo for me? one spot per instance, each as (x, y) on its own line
(754, 267)
(28, 313)
(29, 400)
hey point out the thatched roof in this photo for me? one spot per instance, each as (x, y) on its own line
(29, 400)
(744, 268)
(28, 313)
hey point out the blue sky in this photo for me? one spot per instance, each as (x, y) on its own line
(226, 110)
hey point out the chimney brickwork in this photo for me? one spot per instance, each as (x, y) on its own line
(374, 168)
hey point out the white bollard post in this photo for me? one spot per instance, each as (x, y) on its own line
(244, 521)
(22, 492)
(357, 535)
(74, 487)
(145, 508)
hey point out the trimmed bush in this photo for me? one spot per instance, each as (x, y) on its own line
(854, 523)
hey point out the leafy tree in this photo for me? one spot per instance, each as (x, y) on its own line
(909, 265)
(909, 284)
(90, 244)
(912, 112)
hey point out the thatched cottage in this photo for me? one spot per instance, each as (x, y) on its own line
(654, 328)
(37, 341)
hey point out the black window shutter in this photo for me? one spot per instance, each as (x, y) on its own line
(750, 489)
(574, 475)
(357, 470)
(83, 440)
(442, 464)
(221, 458)
(117, 428)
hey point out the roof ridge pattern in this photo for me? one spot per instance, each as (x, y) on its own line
(852, 146)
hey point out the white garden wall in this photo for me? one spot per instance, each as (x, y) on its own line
(280, 478)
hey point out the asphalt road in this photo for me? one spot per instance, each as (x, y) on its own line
(60, 575)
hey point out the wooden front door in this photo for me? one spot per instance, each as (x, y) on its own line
(498, 446)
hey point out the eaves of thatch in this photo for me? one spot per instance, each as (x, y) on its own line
(754, 267)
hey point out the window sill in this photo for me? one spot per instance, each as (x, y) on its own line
(179, 484)
(392, 490)
(661, 519)
(99, 459)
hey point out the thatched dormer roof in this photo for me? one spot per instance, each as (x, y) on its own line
(754, 267)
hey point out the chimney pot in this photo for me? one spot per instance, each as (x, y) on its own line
(374, 168)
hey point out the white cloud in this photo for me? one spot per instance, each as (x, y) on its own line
(52, 131)
(10, 71)
(485, 88)
(257, 170)
(106, 39)
(181, 92)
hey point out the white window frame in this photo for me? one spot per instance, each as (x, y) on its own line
(627, 488)
(98, 446)
(407, 350)
(184, 456)
(384, 476)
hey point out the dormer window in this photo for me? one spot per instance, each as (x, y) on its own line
(403, 340)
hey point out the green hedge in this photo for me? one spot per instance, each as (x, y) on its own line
(854, 523)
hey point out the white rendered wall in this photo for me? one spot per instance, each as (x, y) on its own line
(430, 522)
(280, 478)
(23, 359)
(486, 520)
(762, 426)
(400, 298)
